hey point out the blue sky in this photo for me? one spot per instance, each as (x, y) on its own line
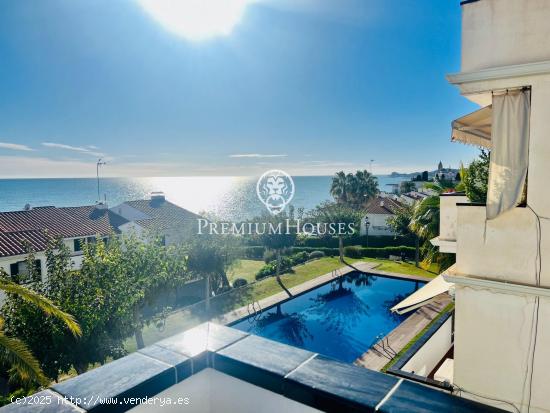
(307, 86)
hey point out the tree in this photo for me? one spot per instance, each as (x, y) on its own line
(400, 223)
(406, 186)
(150, 270)
(279, 240)
(339, 188)
(354, 190)
(116, 281)
(425, 177)
(476, 178)
(334, 213)
(14, 350)
(209, 259)
(425, 224)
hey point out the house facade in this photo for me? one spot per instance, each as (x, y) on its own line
(158, 217)
(501, 278)
(378, 211)
(22, 231)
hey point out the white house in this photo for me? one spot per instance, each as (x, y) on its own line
(157, 216)
(32, 229)
(378, 210)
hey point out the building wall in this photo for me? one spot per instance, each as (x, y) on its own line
(500, 33)
(493, 347)
(378, 225)
(448, 216)
(5, 262)
(494, 330)
(431, 353)
(492, 335)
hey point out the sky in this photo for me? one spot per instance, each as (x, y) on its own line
(228, 87)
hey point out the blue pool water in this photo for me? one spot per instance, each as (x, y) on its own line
(341, 319)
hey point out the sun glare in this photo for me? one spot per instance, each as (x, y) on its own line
(196, 19)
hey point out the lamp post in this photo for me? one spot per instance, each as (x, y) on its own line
(367, 225)
(99, 163)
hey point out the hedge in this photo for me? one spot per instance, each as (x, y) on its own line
(374, 241)
(254, 252)
(351, 251)
(360, 252)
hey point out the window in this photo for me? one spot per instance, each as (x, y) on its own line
(20, 273)
(78, 244)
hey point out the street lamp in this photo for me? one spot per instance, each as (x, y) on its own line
(99, 163)
(367, 225)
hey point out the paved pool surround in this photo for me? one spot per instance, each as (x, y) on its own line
(302, 376)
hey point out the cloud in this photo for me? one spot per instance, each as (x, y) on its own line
(81, 149)
(257, 155)
(14, 146)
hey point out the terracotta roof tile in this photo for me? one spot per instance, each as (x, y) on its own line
(382, 205)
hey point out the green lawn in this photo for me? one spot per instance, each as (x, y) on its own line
(246, 269)
(403, 268)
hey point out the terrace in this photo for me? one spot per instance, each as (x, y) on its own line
(214, 368)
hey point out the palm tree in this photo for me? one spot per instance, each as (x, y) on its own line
(353, 189)
(330, 213)
(339, 187)
(15, 351)
(425, 224)
(367, 186)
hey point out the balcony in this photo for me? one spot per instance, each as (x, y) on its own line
(503, 249)
(218, 368)
(446, 241)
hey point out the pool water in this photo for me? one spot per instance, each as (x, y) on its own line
(341, 319)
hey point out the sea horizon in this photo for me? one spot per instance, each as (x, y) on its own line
(227, 197)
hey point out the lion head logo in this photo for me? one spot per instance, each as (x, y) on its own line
(275, 189)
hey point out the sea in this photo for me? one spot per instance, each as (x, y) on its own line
(228, 198)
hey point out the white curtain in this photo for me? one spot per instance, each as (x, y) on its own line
(510, 154)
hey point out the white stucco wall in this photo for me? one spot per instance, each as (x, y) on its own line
(500, 33)
(503, 249)
(5, 262)
(493, 346)
(211, 392)
(493, 329)
(432, 352)
(378, 225)
(448, 216)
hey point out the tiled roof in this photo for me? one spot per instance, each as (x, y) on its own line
(164, 214)
(33, 227)
(382, 205)
(17, 243)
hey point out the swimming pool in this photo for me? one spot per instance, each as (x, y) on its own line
(341, 319)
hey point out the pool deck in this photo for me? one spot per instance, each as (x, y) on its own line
(311, 284)
(381, 353)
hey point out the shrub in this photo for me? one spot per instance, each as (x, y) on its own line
(330, 252)
(358, 252)
(299, 258)
(378, 241)
(353, 252)
(269, 255)
(271, 268)
(316, 254)
(239, 282)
